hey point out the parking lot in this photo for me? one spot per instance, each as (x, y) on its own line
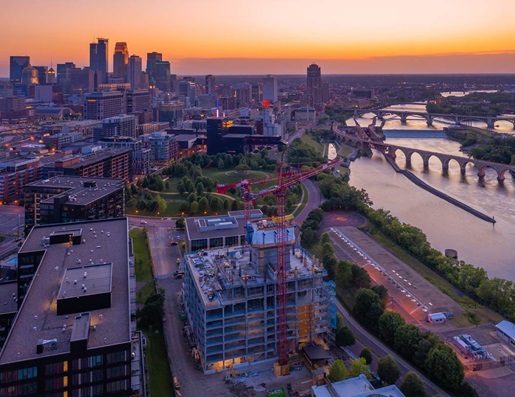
(408, 291)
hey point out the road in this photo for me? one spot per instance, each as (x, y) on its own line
(314, 200)
(381, 350)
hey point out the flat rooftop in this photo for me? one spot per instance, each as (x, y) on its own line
(217, 271)
(104, 241)
(218, 226)
(80, 190)
(8, 293)
(356, 387)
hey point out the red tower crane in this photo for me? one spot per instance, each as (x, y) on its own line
(284, 181)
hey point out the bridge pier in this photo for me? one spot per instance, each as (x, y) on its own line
(463, 169)
(408, 161)
(404, 118)
(500, 178)
(445, 169)
(429, 121)
(426, 164)
(490, 123)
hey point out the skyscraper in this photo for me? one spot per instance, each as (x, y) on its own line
(16, 65)
(98, 57)
(152, 58)
(42, 74)
(210, 84)
(134, 70)
(120, 60)
(270, 88)
(159, 71)
(314, 85)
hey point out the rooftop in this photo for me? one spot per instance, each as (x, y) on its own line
(79, 190)
(8, 301)
(100, 242)
(356, 387)
(216, 272)
(218, 226)
(507, 328)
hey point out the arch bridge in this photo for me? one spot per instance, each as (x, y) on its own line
(445, 159)
(429, 117)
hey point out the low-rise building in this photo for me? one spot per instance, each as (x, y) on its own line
(355, 387)
(15, 173)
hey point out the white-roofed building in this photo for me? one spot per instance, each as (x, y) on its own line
(506, 331)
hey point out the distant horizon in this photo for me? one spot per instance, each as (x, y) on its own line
(485, 64)
(235, 37)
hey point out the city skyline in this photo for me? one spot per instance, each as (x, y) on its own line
(458, 37)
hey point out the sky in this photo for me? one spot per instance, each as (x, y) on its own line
(270, 36)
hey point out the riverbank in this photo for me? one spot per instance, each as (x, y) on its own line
(408, 174)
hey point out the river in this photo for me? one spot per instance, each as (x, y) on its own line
(480, 243)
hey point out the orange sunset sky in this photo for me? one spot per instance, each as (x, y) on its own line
(270, 36)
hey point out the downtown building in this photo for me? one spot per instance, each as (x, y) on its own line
(105, 163)
(73, 334)
(231, 294)
(14, 174)
(64, 199)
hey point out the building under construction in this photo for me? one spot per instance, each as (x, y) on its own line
(231, 299)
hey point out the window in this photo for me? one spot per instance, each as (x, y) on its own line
(117, 357)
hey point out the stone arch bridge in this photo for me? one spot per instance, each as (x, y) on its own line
(445, 159)
(429, 117)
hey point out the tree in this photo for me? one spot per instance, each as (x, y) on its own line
(194, 207)
(367, 355)
(412, 386)
(221, 164)
(338, 371)
(388, 324)
(242, 167)
(388, 370)
(363, 300)
(203, 205)
(161, 203)
(406, 338)
(152, 313)
(344, 337)
(359, 366)
(343, 274)
(445, 368)
(180, 223)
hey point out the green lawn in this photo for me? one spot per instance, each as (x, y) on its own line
(158, 366)
(142, 255)
(304, 201)
(311, 142)
(157, 359)
(231, 176)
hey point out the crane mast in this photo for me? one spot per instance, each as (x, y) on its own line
(284, 181)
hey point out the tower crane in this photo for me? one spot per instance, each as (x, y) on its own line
(284, 181)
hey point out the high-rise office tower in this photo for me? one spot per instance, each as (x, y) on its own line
(152, 58)
(159, 71)
(98, 57)
(134, 70)
(16, 65)
(51, 76)
(270, 88)
(120, 60)
(210, 84)
(42, 74)
(314, 85)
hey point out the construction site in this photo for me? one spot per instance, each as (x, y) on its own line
(237, 316)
